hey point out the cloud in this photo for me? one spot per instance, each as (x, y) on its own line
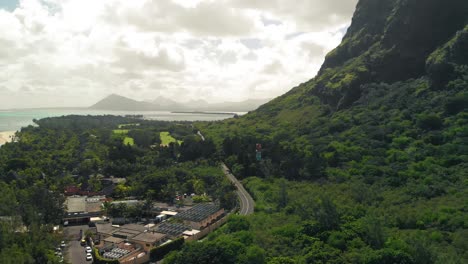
(74, 52)
(273, 68)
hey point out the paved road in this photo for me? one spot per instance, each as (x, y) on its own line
(201, 135)
(76, 253)
(247, 204)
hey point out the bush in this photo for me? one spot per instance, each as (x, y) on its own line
(98, 259)
(158, 253)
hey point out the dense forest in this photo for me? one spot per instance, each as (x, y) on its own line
(368, 161)
(80, 151)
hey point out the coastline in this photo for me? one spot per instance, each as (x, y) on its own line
(6, 136)
(203, 113)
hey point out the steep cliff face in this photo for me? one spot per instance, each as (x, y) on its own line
(388, 41)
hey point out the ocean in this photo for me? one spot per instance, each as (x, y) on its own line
(13, 120)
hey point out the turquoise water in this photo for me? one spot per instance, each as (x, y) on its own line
(15, 119)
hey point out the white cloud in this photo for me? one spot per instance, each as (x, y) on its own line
(73, 52)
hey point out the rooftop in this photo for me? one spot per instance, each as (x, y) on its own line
(149, 237)
(135, 227)
(171, 213)
(172, 229)
(115, 240)
(76, 204)
(106, 228)
(125, 233)
(199, 212)
(84, 204)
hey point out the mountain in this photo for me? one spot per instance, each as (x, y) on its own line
(400, 71)
(119, 103)
(367, 162)
(243, 106)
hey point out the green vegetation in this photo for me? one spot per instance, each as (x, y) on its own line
(158, 253)
(167, 139)
(35, 170)
(98, 259)
(128, 141)
(120, 131)
(121, 126)
(367, 162)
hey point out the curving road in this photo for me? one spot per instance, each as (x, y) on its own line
(247, 204)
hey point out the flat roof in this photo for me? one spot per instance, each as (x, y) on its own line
(76, 204)
(149, 237)
(169, 213)
(136, 227)
(191, 232)
(199, 212)
(115, 240)
(128, 202)
(126, 233)
(106, 228)
(174, 230)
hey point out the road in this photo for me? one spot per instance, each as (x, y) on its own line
(75, 252)
(201, 136)
(247, 204)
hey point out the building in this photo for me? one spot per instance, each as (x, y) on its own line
(201, 215)
(173, 230)
(133, 233)
(80, 209)
(149, 239)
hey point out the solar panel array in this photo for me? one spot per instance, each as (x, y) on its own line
(198, 213)
(116, 253)
(171, 229)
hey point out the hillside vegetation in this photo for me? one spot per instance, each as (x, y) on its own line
(373, 151)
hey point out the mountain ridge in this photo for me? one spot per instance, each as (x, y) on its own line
(120, 103)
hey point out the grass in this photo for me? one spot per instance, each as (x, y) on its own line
(128, 141)
(128, 125)
(166, 139)
(120, 131)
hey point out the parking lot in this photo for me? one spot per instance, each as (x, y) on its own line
(75, 252)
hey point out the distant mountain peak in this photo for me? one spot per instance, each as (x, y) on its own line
(116, 102)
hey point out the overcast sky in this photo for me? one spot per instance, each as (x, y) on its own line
(75, 52)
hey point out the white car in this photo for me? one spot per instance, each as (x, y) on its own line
(62, 244)
(88, 249)
(89, 257)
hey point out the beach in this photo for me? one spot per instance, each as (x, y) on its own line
(6, 136)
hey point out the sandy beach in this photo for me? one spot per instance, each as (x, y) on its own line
(6, 136)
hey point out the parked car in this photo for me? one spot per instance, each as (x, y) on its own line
(89, 256)
(83, 242)
(88, 249)
(63, 244)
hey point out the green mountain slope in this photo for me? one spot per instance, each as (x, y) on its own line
(373, 151)
(403, 71)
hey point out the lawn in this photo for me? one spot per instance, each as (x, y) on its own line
(120, 131)
(166, 139)
(128, 125)
(128, 141)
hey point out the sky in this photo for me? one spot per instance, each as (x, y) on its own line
(72, 53)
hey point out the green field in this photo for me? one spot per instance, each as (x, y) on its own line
(128, 141)
(166, 139)
(123, 132)
(120, 131)
(127, 125)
